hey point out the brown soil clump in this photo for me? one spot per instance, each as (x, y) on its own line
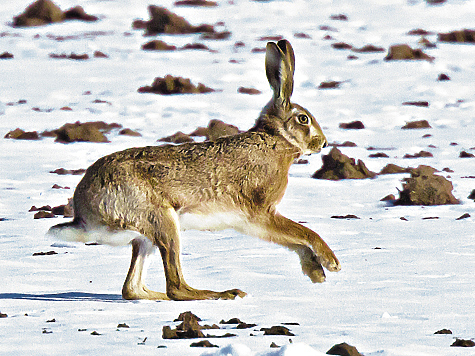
(250, 91)
(426, 188)
(354, 125)
(329, 85)
(163, 20)
(343, 349)
(178, 137)
(43, 12)
(338, 166)
(174, 85)
(463, 343)
(203, 343)
(277, 330)
(92, 131)
(419, 155)
(202, 3)
(368, 49)
(462, 36)
(424, 104)
(394, 169)
(62, 171)
(157, 45)
(6, 55)
(19, 134)
(217, 129)
(129, 132)
(420, 124)
(465, 154)
(74, 56)
(404, 52)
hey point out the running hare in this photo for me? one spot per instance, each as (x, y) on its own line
(145, 195)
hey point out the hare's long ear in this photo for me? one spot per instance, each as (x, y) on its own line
(280, 66)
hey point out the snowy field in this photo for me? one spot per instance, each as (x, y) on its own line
(401, 280)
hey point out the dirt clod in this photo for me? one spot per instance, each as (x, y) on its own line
(354, 125)
(6, 55)
(394, 169)
(250, 91)
(338, 166)
(405, 52)
(62, 171)
(218, 128)
(426, 188)
(19, 134)
(347, 217)
(343, 349)
(424, 104)
(174, 85)
(277, 330)
(329, 85)
(177, 137)
(43, 12)
(92, 131)
(43, 215)
(463, 343)
(204, 3)
(418, 155)
(462, 36)
(49, 253)
(419, 124)
(465, 154)
(203, 343)
(157, 45)
(129, 132)
(368, 49)
(163, 20)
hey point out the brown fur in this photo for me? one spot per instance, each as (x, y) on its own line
(236, 181)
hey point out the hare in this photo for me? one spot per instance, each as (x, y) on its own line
(146, 195)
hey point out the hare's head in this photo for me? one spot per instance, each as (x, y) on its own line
(280, 116)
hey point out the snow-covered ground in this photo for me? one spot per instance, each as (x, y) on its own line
(401, 280)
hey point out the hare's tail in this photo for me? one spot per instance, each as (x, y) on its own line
(76, 231)
(70, 231)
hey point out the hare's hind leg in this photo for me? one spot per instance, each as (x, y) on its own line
(167, 238)
(134, 287)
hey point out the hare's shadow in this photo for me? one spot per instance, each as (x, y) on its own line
(66, 296)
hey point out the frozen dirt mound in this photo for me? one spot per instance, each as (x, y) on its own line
(338, 166)
(426, 188)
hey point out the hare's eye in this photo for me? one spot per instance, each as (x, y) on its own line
(303, 119)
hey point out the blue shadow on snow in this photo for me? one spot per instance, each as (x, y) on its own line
(70, 296)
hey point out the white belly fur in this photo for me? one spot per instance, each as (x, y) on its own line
(187, 221)
(212, 222)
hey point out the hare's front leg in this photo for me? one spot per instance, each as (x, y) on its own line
(310, 247)
(167, 239)
(309, 261)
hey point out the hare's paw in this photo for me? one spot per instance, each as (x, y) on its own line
(332, 264)
(142, 293)
(231, 294)
(314, 271)
(189, 293)
(328, 260)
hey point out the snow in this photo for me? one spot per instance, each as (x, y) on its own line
(400, 282)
